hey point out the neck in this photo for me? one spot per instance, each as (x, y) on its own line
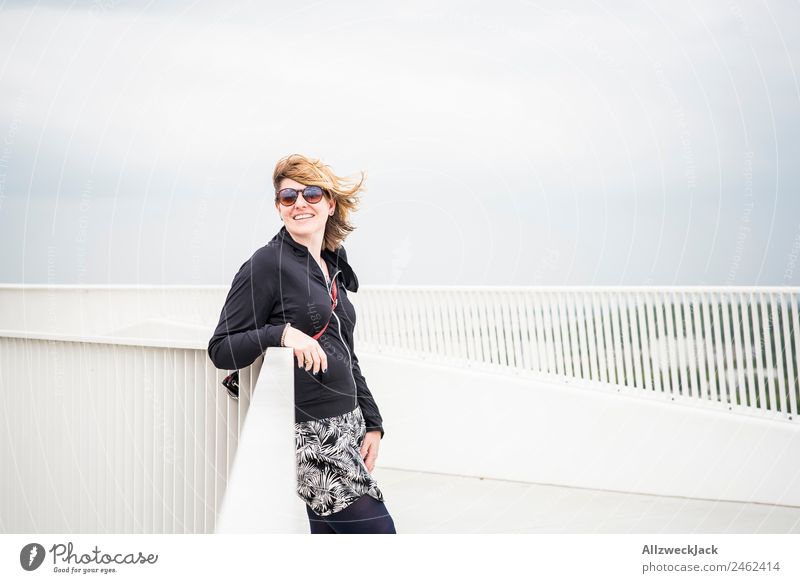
(312, 242)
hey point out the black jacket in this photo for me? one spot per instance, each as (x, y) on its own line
(281, 283)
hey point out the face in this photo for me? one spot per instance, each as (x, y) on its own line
(302, 218)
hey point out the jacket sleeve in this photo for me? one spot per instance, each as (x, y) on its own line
(243, 333)
(372, 415)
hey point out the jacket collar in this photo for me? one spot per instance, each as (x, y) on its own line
(335, 257)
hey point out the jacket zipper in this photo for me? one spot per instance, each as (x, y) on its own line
(355, 386)
(339, 328)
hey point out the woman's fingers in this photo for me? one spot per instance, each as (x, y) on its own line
(312, 358)
(323, 358)
(370, 461)
(308, 351)
(369, 452)
(316, 361)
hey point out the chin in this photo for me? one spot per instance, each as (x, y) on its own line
(305, 226)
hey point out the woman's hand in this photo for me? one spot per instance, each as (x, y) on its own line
(307, 350)
(369, 449)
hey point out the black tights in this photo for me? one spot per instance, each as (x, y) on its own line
(364, 516)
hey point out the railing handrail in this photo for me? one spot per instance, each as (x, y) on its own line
(487, 287)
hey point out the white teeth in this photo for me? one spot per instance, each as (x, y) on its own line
(300, 217)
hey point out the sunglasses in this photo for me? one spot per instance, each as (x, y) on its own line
(288, 196)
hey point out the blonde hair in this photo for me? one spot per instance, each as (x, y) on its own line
(313, 172)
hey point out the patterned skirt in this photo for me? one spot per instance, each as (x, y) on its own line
(330, 472)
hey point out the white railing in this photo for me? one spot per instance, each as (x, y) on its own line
(731, 347)
(110, 434)
(114, 436)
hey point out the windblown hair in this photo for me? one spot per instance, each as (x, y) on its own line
(345, 192)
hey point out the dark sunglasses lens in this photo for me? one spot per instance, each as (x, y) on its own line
(287, 196)
(312, 194)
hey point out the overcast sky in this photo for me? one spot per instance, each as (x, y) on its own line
(518, 143)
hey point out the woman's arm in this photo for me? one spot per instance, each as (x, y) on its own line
(369, 408)
(243, 334)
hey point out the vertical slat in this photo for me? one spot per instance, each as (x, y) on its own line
(499, 330)
(471, 322)
(440, 325)
(563, 334)
(378, 310)
(747, 310)
(680, 341)
(450, 336)
(398, 328)
(599, 333)
(610, 349)
(210, 376)
(220, 441)
(580, 314)
(414, 326)
(737, 304)
(431, 329)
(119, 378)
(464, 326)
(616, 336)
(554, 335)
(636, 343)
(644, 343)
(424, 323)
(531, 350)
(543, 344)
(663, 341)
(171, 434)
(418, 323)
(569, 304)
(669, 319)
(140, 476)
(198, 360)
(758, 349)
(781, 404)
(653, 349)
(566, 336)
(595, 360)
(547, 333)
(488, 343)
(162, 380)
(405, 307)
(793, 299)
(390, 332)
(6, 459)
(791, 404)
(521, 352)
(691, 344)
(713, 393)
(699, 346)
(726, 339)
(627, 346)
(766, 331)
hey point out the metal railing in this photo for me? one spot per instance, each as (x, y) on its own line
(113, 437)
(731, 347)
(122, 435)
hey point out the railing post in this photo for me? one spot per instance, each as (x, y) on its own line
(261, 492)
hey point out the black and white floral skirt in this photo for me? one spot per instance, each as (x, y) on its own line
(330, 472)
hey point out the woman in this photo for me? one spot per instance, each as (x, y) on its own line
(293, 292)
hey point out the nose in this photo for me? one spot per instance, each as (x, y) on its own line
(300, 197)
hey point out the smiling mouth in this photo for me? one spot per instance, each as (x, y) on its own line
(302, 217)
